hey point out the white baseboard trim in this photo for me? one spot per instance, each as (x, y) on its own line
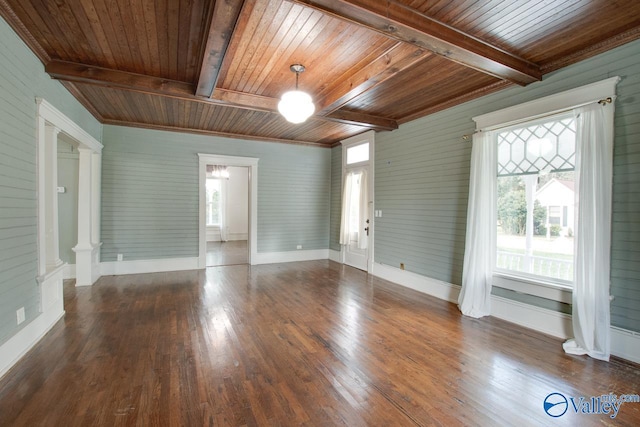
(540, 319)
(19, 344)
(69, 272)
(335, 256)
(232, 237)
(624, 344)
(443, 290)
(291, 256)
(52, 310)
(147, 266)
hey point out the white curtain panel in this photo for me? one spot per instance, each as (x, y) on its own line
(355, 185)
(345, 231)
(594, 164)
(479, 254)
(363, 211)
(224, 228)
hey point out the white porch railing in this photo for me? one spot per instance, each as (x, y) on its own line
(541, 266)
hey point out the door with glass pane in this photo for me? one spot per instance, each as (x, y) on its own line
(355, 226)
(356, 231)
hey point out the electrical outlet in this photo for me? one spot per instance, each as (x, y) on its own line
(402, 266)
(119, 257)
(20, 315)
(299, 247)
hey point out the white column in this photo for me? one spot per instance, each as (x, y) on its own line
(96, 193)
(42, 221)
(84, 249)
(84, 198)
(52, 243)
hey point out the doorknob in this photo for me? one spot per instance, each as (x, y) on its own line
(367, 230)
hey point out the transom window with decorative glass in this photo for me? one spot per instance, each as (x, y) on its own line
(536, 199)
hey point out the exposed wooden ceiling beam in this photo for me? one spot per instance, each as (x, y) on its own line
(210, 132)
(69, 71)
(223, 21)
(398, 58)
(74, 72)
(264, 103)
(406, 24)
(361, 119)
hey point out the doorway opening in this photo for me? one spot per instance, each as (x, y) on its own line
(227, 215)
(228, 188)
(67, 194)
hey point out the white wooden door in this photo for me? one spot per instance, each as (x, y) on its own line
(356, 227)
(357, 250)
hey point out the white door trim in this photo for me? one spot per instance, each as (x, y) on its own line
(50, 123)
(252, 164)
(362, 138)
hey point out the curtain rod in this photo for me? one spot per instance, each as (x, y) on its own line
(603, 102)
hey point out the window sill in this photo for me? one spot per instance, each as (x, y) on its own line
(532, 286)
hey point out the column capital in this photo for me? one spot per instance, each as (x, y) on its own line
(52, 128)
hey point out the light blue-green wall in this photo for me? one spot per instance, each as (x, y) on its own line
(422, 176)
(336, 197)
(68, 169)
(22, 79)
(150, 193)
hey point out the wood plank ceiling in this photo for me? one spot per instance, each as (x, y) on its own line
(220, 66)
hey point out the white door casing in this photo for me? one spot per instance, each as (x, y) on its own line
(50, 123)
(252, 164)
(350, 254)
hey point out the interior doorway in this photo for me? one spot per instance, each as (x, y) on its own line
(248, 168)
(356, 224)
(227, 215)
(67, 193)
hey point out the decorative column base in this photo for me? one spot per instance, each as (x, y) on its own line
(87, 264)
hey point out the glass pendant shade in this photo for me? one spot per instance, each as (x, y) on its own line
(296, 106)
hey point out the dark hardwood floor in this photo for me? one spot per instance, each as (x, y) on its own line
(227, 253)
(310, 343)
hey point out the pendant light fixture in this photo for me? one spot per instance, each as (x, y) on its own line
(296, 106)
